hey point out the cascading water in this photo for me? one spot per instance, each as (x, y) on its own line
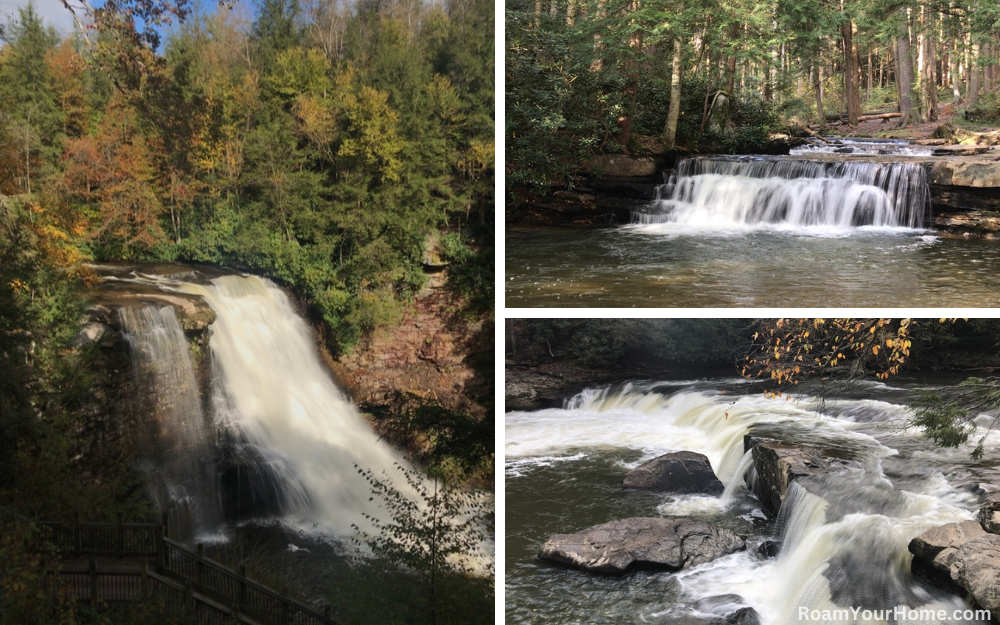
(720, 192)
(279, 437)
(274, 395)
(843, 535)
(862, 147)
(178, 439)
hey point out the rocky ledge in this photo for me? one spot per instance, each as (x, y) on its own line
(778, 463)
(617, 547)
(963, 558)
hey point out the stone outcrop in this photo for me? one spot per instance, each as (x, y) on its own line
(620, 165)
(779, 463)
(961, 557)
(641, 543)
(989, 517)
(681, 472)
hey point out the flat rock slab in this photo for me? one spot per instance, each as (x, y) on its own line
(960, 150)
(680, 472)
(620, 165)
(642, 543)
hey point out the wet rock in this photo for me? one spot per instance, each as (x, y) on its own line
(769, 549)
(976, 568)
(641, 543)
(989, 517)
(520, 396)
(778, 464)
(743, 616)
(680, 472)
(93, 332)
(620, 165)
(937, 551)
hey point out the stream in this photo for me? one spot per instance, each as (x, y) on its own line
(803, 231)
(844, 535)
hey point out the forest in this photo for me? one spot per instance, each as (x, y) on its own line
(318, 145)
(337, 149)
(643, 77)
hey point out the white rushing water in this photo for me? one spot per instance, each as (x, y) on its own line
(178, 439)
(844, 535)
(821, 196)
(862, 147)
(280, 399)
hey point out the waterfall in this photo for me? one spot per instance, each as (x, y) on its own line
(843, 535)
(748, 191)
(274, 398)
(177, 437)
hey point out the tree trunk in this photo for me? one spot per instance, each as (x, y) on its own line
(904, 77)
(538, 13)
(571, 12)
(853, 99)
(956, 91)
(973, 96)
(670, 131)
(930, 70)
(818, 86)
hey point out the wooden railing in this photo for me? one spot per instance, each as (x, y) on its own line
(182, 578)
(118, 540)
(236, 589)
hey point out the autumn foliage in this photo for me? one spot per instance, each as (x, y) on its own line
(788, 351)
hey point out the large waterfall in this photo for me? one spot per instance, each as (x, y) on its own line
(843, 536)
(720, 192)
(274, 412)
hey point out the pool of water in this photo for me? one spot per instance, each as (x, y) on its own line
(678, 265)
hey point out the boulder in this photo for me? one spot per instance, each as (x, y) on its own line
(778, 464)
(743, 616)
(641, 543)
(769, 549)
(93, 332)
(989, 517)
(976, 568)
(938, 555)
(679, 472)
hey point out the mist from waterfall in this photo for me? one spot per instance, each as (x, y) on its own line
(737, 192)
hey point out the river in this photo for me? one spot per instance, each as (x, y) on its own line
(845, 535)
(761, 232)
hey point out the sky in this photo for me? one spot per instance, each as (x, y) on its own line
(52, 11)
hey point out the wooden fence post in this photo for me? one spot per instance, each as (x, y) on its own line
(121, 536)
(92, 578)
(77, 541)
(199, 565)
(188, 596)
(144, 580)
(161, 551)
(243, 585)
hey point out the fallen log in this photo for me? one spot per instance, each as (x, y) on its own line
(864, 118)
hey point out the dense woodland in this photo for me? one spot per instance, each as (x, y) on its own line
(333, 147)
(591, 76)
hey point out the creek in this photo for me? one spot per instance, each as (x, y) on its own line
(844, 535)
(752, 231)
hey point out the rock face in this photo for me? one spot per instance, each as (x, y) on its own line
(976, 568)
(963, 558)
(616, 547)
(679, 472)
(620, 165)
(777, 464)
(989, 517)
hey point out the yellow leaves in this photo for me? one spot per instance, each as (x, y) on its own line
(888, 342)
(875, 350)
(18, 286)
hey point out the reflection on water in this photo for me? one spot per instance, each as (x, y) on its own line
(677, 265)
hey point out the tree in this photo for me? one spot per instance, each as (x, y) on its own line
(437, 535)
